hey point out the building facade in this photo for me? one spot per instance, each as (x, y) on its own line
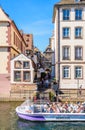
(69, 35)
(11, 42)
(48, 57)
(52, 56)
(29, 41)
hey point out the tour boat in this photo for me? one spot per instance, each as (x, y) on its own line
(36, 113)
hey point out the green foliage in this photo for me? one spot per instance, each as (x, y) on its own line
(51, 96)
(54, 80)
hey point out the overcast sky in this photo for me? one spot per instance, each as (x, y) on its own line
(32, 16)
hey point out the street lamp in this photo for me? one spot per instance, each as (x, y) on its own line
(78, 76)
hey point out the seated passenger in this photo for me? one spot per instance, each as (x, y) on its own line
(46, 107)
(42, 108)
(30, 109)
(80, 109)
(55, 108)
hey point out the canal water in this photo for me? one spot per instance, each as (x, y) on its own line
(10, 121)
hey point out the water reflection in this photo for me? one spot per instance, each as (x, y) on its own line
(24, 125)
(8, 116)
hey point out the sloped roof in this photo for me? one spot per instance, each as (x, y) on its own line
(62, 2)
(4, 16)
(67, 2)
(21, 56)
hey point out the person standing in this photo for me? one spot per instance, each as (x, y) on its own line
(46, 83)
(80, 90)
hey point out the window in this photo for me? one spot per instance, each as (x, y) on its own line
(66, 51)
(26, 65)
(18, 64)
(66, 72)
(78, 72)
(78, 53)
(27, 40)
(78, 32)
(3, 49)
(66, 32)
(66, 14)
(78, 14)
(17, 76)
(26, 76)
(77, 0)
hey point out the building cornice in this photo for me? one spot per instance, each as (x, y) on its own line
(60, 5)
(72, 62)
(5, 46)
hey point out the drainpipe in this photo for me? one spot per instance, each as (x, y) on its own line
(58, 48)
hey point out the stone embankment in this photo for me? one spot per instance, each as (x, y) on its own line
(71, 95)
(19, 92)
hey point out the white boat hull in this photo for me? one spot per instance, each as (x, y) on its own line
(50, 116)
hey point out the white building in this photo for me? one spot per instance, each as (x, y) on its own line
(69, 35)
(22, 71)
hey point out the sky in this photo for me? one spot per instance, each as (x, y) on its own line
(33, 17)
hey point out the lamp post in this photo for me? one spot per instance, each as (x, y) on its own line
(78, 75)
(77, 87)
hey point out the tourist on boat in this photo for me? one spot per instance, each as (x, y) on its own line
(43, 108)
(46, 108)
(30, 109)
(51, 108)
(60, 108)
(54, 107)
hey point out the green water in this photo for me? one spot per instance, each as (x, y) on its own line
(10, 121)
